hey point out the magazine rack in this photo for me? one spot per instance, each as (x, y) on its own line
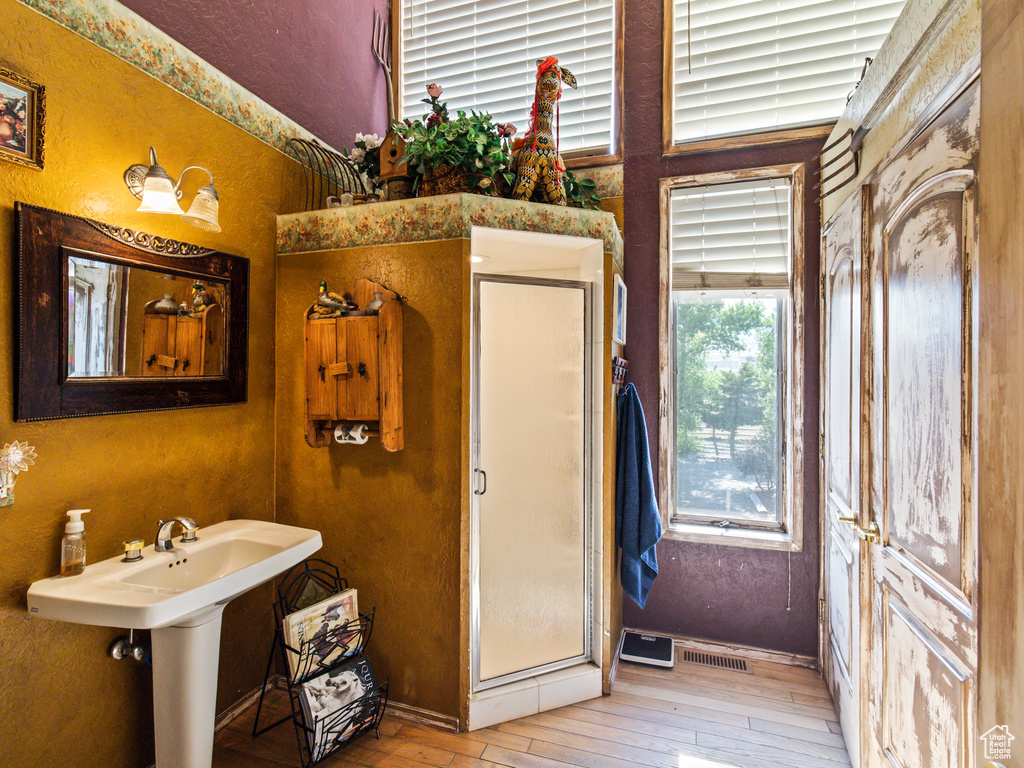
(308, 583)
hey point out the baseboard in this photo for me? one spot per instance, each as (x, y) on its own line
(423, 716)
(245, 702)
(735, 649)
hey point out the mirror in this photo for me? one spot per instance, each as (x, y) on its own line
(138, 321)
(145, 323)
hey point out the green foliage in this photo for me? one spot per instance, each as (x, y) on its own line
(738, 403)
(470, 142)
(581, 193)
(760, 458)
(720, 400)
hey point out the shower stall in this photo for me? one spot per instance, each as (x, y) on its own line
(536, 430)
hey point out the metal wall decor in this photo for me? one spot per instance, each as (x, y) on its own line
(327, 174)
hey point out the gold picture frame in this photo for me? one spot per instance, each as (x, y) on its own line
(22, 119)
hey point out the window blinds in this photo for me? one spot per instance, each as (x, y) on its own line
(484, 54)
(759, 65)
(730, 235)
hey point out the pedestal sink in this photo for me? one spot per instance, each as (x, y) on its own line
(180, 596)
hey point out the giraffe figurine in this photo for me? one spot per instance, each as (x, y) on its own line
(537, 165)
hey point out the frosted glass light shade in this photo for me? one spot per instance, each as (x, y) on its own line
(158, 193)
(204, 210)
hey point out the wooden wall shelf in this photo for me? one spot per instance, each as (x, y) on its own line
(354, 369)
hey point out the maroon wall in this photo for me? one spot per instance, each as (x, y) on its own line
(310, 59)
(750, 596)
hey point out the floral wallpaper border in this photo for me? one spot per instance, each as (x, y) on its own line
(443, 217)
(608, 178)
(134, 40)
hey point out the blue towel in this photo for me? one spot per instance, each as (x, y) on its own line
(637, 522)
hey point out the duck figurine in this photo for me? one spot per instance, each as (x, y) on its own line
(201, 299)
(330, 304)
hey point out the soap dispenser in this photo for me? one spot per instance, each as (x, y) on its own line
(72, 546)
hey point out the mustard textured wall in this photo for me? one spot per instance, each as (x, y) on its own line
(390, 521)
(63, 701)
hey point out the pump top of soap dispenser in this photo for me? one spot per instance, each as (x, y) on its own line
(75, 524)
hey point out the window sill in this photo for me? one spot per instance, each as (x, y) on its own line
(780, 541)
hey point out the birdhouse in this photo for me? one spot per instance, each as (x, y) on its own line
(393, 170)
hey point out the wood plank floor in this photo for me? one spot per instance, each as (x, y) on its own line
(772, 716)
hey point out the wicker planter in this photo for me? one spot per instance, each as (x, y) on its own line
(450, 180)
(444, 180)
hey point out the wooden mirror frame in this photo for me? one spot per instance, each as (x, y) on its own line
(42, 387)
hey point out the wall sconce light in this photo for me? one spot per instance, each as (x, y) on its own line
(14, 458)
(154, 187)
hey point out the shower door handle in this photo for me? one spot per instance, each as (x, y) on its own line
(482, 474)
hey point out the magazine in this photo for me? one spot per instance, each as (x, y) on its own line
(317, 633)
(337, 703)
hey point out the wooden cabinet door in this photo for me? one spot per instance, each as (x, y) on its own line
(188, 347)
(921, 654)
(841, 367)
(360, 390)
(159, 333)
(324, 338)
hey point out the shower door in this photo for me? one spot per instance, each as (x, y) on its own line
(530, 607)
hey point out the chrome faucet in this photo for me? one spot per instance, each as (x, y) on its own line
(164, 530)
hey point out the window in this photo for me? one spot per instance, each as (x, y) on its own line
(730, 447)
(766, 65)
(484, 55)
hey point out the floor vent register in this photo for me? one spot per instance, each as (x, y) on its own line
(714, 660)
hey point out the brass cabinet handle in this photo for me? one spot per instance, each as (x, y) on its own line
(870, 534)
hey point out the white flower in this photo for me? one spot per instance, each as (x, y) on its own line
(17, 457)
(372, 140)
(360, 137)
(357, 155)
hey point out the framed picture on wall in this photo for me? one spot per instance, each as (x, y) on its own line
(22, 119)
(620, 311)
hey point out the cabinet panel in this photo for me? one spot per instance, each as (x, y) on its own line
(154, 345)
(321, 351)
(188, 346)
(362, 385)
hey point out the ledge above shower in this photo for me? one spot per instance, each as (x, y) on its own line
(442, 217)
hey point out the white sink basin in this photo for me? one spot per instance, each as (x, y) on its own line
(180, 595)
(170, 588)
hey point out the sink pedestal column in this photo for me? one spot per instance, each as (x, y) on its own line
(185, 662)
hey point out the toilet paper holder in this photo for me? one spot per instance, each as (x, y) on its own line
(358, 434)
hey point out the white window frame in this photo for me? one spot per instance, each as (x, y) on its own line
(587, 157)
(790, 536)
(820, 129)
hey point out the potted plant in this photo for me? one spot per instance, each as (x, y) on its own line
(465, 154)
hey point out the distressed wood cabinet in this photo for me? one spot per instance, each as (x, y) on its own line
(900, 448)
(354, 370)
(183, 346)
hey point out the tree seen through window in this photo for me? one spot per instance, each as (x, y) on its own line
(727, 407)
